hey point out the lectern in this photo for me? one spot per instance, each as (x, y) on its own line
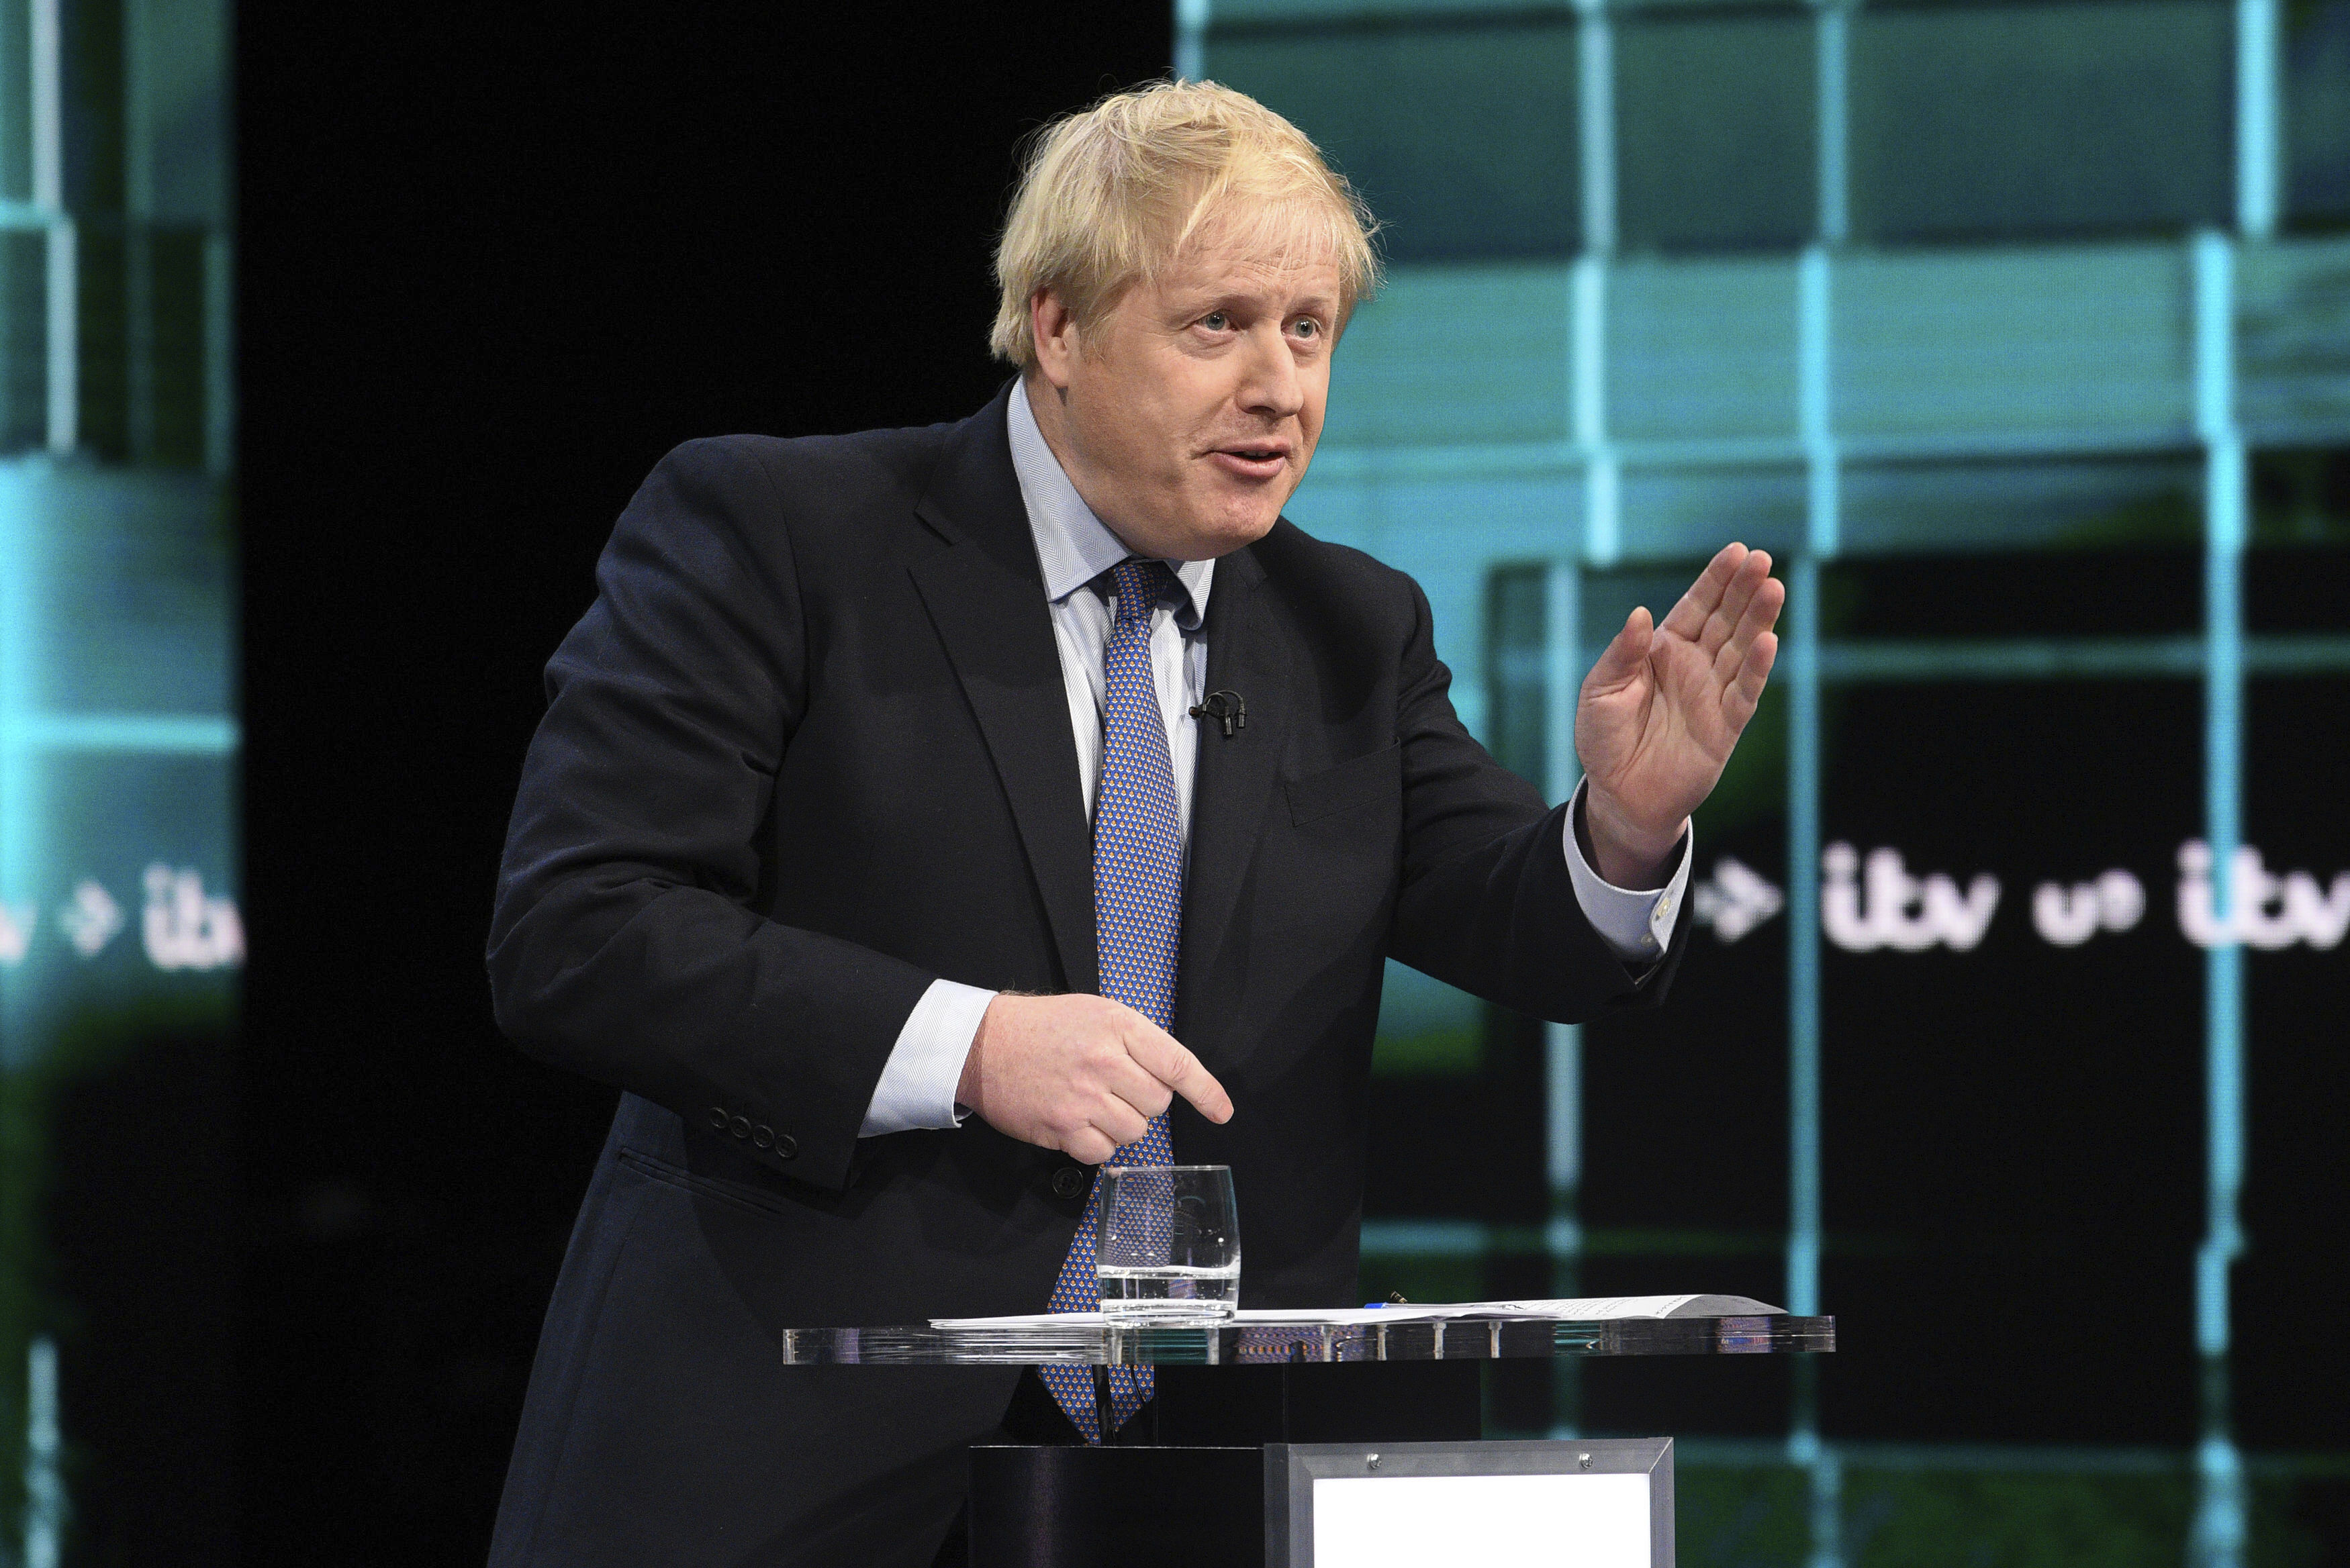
(1344, 1441)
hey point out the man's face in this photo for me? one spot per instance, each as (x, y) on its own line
(1187, 414)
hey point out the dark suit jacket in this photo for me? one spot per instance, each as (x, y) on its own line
(810, 750)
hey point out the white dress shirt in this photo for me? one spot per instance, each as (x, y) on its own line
(918, 1083)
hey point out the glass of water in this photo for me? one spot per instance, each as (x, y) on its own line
(1167, 1243)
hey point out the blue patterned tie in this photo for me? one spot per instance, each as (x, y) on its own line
(1137, 917)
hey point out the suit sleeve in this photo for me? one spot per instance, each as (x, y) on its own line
(624, 943)
(1486, 902)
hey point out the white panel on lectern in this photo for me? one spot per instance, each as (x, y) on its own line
(1482, 1521)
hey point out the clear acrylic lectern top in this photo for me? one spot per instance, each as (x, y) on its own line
(1273, 1338)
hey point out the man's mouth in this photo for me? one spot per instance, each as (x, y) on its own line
(1253, 460)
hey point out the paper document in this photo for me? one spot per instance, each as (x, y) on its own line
(1572, 1309)
(1598, 1309)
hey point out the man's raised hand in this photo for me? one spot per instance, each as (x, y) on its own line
(1663, 707)
(1080, 1073)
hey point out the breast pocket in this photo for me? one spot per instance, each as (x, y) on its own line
(1352, 788)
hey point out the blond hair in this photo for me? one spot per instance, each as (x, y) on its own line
(1109, 195)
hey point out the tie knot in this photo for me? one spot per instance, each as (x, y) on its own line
(1140, 585)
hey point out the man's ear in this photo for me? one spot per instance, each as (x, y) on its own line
(1055, 333)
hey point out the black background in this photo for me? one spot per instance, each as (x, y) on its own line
(494, 261)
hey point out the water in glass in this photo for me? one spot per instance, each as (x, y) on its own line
(1167, 1243)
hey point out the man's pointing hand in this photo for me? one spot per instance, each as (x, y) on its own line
(1080, 1073)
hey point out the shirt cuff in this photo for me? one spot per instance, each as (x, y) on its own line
(918, 1082)
(1637, 926)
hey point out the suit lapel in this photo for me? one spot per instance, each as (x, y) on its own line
(1232, 781)
(985, 594)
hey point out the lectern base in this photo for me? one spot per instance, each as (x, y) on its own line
(1037, 1507)
(1185, 1482)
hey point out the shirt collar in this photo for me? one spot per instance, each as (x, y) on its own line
(1073, 544)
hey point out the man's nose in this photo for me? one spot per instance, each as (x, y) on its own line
(1271, 384)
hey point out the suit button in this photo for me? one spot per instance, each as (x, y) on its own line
(786, 1147)
(718, 1118)
(763, 1135)
(740, 1127)
(1068, 1182)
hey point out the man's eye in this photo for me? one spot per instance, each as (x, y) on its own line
(1309, 327)
(1215, 321)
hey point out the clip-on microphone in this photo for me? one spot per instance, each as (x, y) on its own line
(1228, 708)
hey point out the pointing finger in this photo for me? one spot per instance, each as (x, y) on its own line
(1172, 1064)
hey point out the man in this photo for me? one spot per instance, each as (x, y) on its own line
(922, 816)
